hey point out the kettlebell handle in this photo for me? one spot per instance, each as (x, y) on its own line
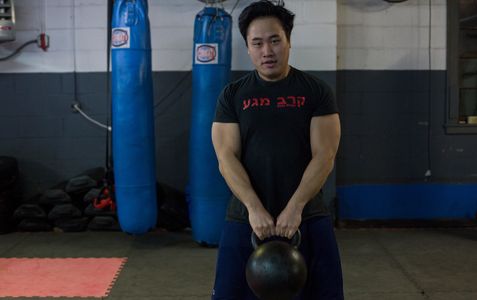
(295, 240)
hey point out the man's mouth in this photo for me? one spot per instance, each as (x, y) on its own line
(269, 63)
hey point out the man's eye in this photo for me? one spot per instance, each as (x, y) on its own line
(256, 44)
(275, 41)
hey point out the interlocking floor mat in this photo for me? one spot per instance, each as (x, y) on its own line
(58, 277)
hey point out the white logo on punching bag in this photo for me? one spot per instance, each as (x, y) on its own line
(206, 53)
(120, 37)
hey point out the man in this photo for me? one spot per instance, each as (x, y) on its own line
(276, 132)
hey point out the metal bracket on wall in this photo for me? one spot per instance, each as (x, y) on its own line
(74, 107)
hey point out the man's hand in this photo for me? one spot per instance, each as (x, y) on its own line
(289, 220)
(262, 223)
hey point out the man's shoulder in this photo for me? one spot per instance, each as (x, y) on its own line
(307, 77)
(243, 82)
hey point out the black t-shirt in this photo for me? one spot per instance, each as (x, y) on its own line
(274, 120)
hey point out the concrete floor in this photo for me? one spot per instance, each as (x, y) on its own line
(399, 264)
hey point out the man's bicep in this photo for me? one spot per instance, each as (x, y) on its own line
(226, 138)
(325, 132)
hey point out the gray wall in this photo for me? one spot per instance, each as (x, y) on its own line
(54, 143)
(385, 130)
(384, 119)
(38, 127)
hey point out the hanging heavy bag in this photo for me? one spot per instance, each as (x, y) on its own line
(133, 117)
(276, 270)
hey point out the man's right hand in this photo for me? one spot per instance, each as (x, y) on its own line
(262, 222)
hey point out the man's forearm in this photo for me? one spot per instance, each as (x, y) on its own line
(237, 179)
(325, 134)
(312, 181)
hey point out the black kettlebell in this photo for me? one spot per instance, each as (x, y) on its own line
(276, 270)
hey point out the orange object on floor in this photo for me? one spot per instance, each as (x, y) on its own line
(58, 277)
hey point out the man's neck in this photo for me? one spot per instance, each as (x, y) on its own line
(282, 76)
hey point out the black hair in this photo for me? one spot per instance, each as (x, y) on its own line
(266, 8)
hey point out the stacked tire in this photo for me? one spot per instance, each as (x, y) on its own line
(68, 207)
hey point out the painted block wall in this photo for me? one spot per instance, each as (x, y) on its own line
(329, 35)
(77, 32)
(377, 35)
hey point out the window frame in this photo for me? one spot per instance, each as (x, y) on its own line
(452, 124)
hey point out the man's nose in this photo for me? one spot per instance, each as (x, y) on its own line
(267, 50)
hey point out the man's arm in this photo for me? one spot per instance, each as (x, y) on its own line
(325, 134)
(227, 145)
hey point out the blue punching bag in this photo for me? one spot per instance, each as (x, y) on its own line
(133, 117)
(208, 193)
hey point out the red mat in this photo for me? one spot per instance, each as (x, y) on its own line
(58, 277)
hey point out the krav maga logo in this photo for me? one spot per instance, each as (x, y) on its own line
(120, 38)
(206, 54)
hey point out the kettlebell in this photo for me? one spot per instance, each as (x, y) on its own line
(276, 270)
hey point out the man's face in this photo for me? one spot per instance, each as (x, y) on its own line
(268, 48)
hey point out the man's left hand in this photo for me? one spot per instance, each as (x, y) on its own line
(288, 221)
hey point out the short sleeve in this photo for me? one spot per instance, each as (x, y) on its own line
(326, 102)
(224, 111)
